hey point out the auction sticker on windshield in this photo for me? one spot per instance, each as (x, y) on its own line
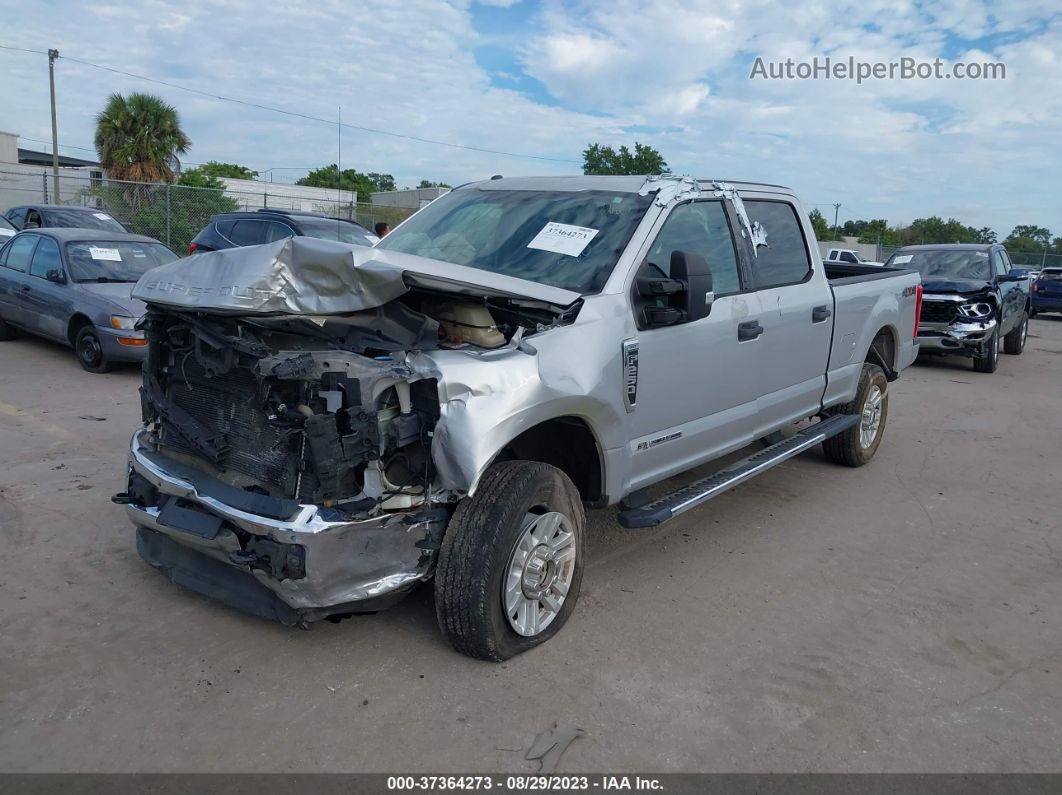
(112, 254)
(102, 216)
(563, 238)
(902, 258)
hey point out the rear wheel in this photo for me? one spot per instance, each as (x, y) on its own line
(990, 361)
(90, 351)
(1014, 343)
(857, 445)
(511, 561)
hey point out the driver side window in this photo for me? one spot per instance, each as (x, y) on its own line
(700, 227)
(998, 267)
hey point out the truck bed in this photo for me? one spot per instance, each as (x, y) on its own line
(864, 308)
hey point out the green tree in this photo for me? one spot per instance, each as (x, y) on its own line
(820, 225)
(230, 170)
(424, 183)
(364, 184)
(1028, 237)
(139, 137)
(877, 231)
(598, 159)
(985, 235)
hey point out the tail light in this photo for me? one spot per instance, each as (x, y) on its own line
(918, 309)
(192, 247)
(1033, 288)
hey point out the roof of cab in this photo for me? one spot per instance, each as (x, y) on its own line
(949, 247)
(616, 184)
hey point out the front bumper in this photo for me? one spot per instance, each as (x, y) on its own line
(116, 351)
(296, 568)
(963, 339)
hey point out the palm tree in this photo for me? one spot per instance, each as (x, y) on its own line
(139, 137)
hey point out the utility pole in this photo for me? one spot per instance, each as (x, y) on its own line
(836, 209)
(52, 55)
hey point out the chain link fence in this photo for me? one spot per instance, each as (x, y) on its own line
(174, 214)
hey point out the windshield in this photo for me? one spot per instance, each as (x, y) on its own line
(1050, 275)
(114, 261)
(6, 227)
(81, 217)
(944, 264)
(563, 239)
(859, 257)
(343, 231)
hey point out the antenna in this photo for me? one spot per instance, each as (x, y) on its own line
(339, 168)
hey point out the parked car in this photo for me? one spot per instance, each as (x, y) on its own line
(1047, 291)
(73, 286)
(7, 229)
(228, 230)
(446, 402)
(847, 256)
(40, 216)
(973, 299)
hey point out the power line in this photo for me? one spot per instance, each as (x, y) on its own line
(295, 114)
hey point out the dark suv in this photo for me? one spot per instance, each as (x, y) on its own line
(34, 216)
(229, 230)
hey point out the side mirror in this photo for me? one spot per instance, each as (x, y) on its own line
(55, 276)
(684, 297)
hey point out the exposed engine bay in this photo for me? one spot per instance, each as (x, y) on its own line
(324, 410)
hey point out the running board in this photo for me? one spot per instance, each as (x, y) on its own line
(700, 491)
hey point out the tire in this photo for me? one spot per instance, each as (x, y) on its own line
(1032, 313)
(989, 363)
(7, 331)
(90, 352)
(871, 403)
(1014, 343)
(483, 546)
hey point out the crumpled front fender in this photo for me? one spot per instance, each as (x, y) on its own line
(488, 399)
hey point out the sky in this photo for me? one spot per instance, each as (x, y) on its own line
(546, 78)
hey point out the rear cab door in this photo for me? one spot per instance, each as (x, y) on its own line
(796, 313)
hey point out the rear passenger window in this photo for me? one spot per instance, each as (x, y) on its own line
(19, 252)
(45, 258)
(249, 233)
(280, 231)
(784, 260)
(700, 227)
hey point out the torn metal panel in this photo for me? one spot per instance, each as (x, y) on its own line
(549, 745)
(297, 275)
(755, 233)
(669, 187)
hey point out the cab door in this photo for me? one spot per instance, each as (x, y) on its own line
(696, 382)
(14, 276)
(796, 314)
(46, 304)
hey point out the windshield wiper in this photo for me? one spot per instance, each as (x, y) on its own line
(107, 280)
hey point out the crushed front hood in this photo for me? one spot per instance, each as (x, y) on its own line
(308, 276)
(960, 286)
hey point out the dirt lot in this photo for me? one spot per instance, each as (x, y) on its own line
(906, 616)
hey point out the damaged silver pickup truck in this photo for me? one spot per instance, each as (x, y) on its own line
(326, 427)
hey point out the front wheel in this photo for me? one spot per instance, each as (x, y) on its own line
(857, 445)
(511, 561)
(90, 351)
(1014, 343)
(990, 361)
(7, 331)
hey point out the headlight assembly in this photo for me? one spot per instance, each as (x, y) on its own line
(976, 309)
(122, 322)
